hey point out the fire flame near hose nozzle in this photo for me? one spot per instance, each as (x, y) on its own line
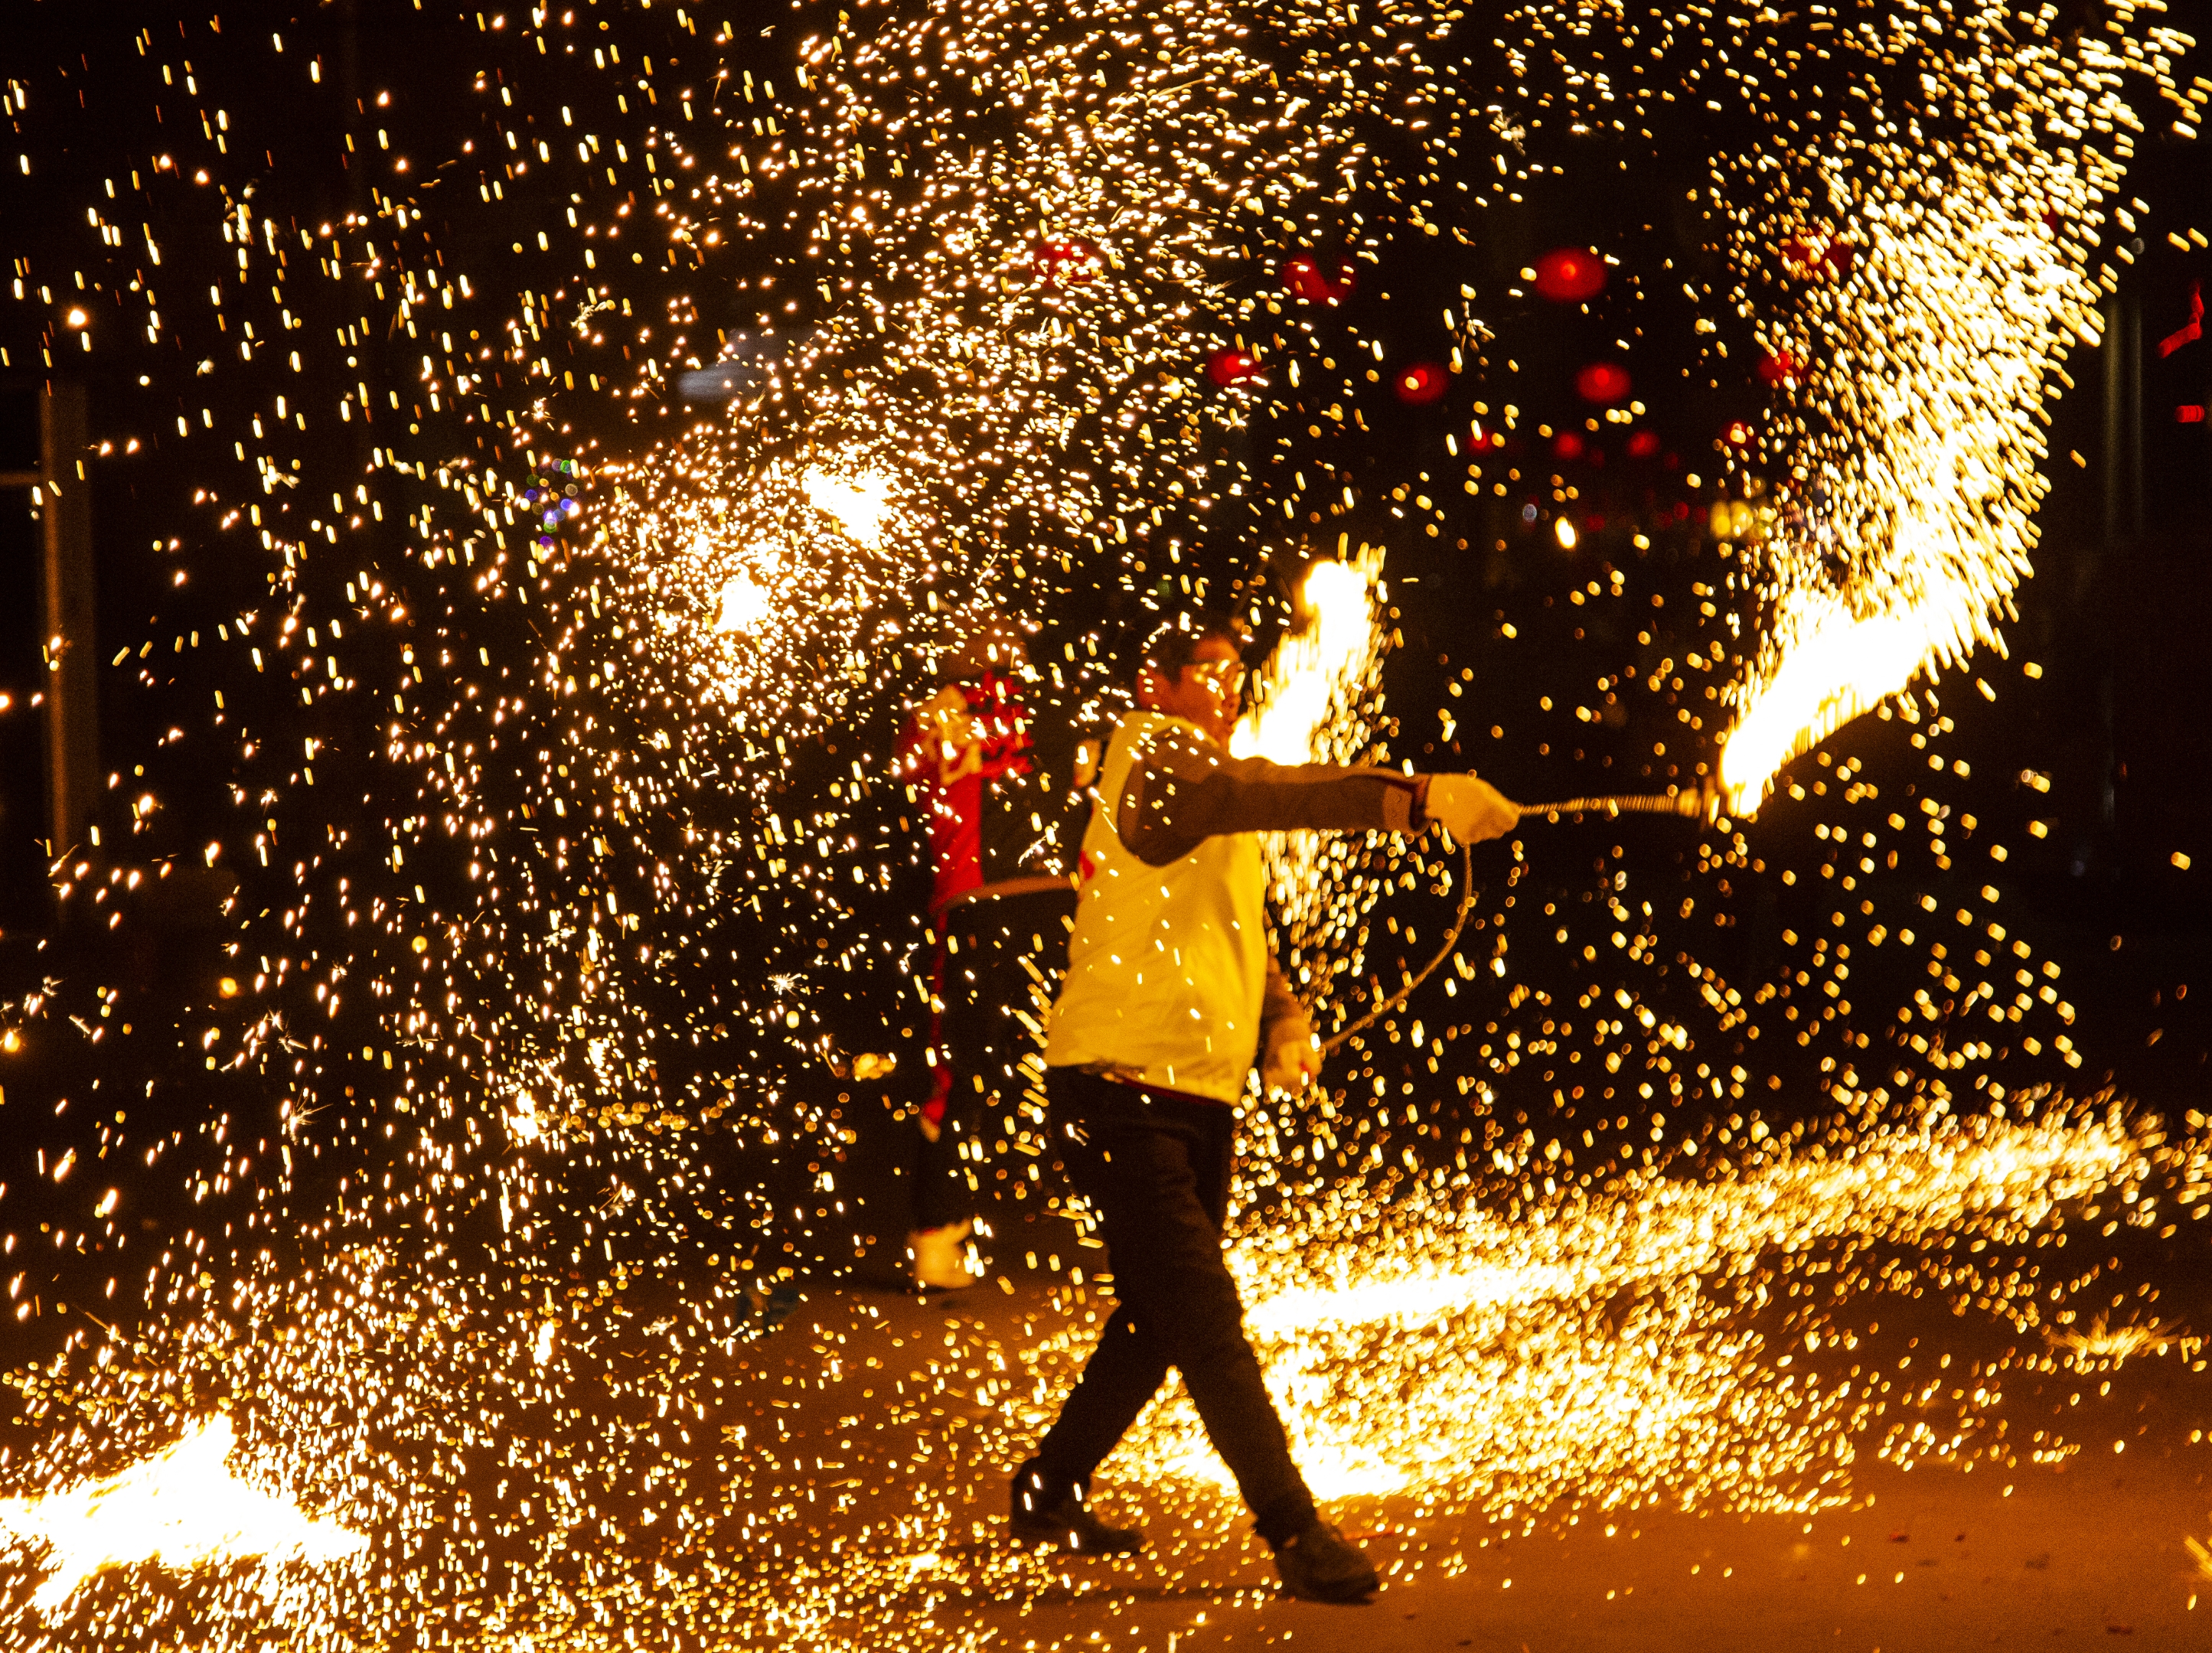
(1310, 704)
(1911, 519)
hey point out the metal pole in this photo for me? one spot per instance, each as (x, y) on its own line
(2131, 480)
(2115, 395)
(71, 651)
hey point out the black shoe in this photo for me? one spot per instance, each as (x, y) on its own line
(1318, 1564)
(1048, 1511)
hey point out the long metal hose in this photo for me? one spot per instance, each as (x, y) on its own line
(1687, 805)
(1466, 894)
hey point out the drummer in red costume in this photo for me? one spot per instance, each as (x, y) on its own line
(1001, 893)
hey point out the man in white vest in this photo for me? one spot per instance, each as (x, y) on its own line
(1172, 995)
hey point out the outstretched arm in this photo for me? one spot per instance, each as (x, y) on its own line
(1185, 789)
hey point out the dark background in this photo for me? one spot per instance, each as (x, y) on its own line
(2115, 617)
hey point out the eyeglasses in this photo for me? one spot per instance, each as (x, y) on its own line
(1218, 674)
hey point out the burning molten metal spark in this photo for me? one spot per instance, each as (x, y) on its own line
(596, 888)
(744, 604)
(181, 1507)
(1307, 678)
(859, 504)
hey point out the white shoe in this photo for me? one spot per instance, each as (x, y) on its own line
(941, 1257)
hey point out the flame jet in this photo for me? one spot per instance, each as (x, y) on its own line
(1933, 304)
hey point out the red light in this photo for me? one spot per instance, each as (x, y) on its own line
(1568, 275)
(1807, 257)
(2190, 414)
(2191, 330)
(1423, 382)
(1739, 433)
(1307, 278)
(1602, 382)
(1568, 446)
(1071, 259)
(1644, 444)
(1226, 368)
(1780, 368)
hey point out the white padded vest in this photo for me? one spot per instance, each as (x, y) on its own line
(1167, 966)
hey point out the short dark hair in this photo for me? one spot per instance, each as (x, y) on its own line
(1175, 644)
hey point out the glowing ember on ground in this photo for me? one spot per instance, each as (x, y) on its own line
(1496, 1367)
(180, 1509)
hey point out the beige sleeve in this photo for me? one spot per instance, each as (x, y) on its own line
(1281, 1015)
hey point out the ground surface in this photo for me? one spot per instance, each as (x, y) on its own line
(2087, 1550)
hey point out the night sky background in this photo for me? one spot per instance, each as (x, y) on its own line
(2116, 616)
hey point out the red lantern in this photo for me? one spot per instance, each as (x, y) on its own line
(1069, 259)
(1602, 382)
(1308, 279)
(1568, 275)
(1226, 368)
(1644, 444)
(1779, 368)
(1811, 256)
(1567, 446)
(1422, 381)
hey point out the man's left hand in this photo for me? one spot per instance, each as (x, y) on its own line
(1293, 1063)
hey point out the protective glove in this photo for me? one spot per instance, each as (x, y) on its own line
(1472, 810)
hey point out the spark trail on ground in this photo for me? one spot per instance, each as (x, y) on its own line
(1484, 1331)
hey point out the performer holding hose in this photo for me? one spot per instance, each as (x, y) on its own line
(1171, 994)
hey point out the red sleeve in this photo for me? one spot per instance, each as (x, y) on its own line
(951, 817)
(1003, 722)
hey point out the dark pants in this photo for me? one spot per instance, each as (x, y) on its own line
(983, 986)
(1156, 1169)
